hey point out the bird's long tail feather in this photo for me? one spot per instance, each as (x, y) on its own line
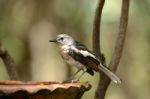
(110, 74)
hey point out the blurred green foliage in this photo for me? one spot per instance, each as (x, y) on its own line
(27, 25)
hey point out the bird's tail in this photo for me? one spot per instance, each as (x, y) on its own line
(110, 74)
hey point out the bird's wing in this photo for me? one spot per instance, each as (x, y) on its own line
(80, 53)
(85, 57)
(77, 56)
(80, 46)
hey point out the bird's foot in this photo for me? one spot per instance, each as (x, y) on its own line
(70, 81)
(74, 81)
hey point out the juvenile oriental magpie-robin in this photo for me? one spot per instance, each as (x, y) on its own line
(77, 54)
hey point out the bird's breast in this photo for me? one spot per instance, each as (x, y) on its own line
(64, 51)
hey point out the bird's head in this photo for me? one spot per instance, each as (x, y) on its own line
(63, 39)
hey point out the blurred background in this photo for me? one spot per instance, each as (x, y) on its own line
(26, 26)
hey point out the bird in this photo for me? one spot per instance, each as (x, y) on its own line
(77, 54)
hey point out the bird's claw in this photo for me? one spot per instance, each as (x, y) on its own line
(74, 81)
(70, 81)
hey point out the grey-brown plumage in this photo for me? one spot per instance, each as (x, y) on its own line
(77, 54)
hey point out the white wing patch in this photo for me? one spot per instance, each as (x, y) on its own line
(86, 53)
(83, 52)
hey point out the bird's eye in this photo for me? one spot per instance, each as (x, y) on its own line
(61, 38)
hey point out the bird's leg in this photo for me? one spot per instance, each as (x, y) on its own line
(75, 74)
(71, 78)
(81, 75)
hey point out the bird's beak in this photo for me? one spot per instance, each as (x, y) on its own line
(54, 40)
